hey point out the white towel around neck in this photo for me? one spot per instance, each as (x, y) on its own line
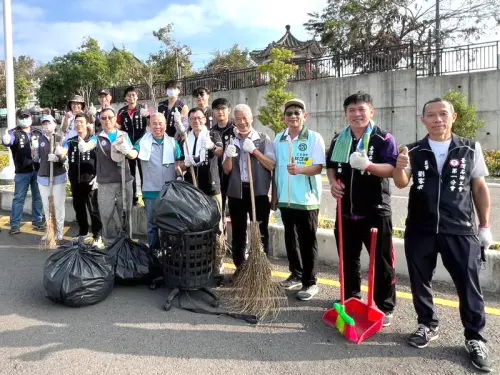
(146, 144)
(200, 144)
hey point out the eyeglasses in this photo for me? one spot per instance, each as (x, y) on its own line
(196, 118)
(220, 109)
(292, 113)
(199, 94)
(106, 117)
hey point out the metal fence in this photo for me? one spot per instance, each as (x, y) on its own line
(426, 62)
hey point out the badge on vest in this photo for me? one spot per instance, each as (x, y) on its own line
(42, 144)
(103, 143)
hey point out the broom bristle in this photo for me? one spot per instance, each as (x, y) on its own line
(50, 234)
(220, 251)
(254, 291)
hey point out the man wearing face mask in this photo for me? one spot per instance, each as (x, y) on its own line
(57, 156)
(133, 119)
(174, 110)
(21, 140)
(201, 96)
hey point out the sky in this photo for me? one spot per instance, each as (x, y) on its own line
(48, 28)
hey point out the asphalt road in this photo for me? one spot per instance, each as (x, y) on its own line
(399, 199)
(129, 333)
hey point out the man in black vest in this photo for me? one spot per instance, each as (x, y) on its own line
(359, 163)
(260, 149)
(133, 119)
(55, 156)
(82, 177)
(201, 96)
(174, 110)
(108, 143)
(21, 141)
(448, 174)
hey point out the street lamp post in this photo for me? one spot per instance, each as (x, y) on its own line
(7, 174)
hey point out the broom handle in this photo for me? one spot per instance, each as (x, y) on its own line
(191, 168)
(250, 179)
(371, 269)
(51, 167)
(341, 250)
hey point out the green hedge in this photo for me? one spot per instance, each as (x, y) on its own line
(492, 159)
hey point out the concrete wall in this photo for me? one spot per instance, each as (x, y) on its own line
(399, 97)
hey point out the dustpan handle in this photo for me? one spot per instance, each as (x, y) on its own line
(340, 230)
(250, 180)
(371, 268)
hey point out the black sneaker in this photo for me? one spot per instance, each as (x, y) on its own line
(39, 226)
(423, 336)
(14, 230)
(478, 354)
(291, 283)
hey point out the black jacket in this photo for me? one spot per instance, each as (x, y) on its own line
(442, 203)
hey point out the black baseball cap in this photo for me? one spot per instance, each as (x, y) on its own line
(103, 92)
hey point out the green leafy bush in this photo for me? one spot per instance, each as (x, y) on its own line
(492, 159)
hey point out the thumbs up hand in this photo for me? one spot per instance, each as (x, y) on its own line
(144, 111)
(293, 168)
(179, 126)
(359, 160)
(403, 160)
(92, 110)
(231, 150)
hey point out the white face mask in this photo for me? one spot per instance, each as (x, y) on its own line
(172, 93)
(25, 122)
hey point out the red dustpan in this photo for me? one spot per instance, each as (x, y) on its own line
(355, 319)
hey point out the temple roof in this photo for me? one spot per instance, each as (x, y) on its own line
(301, 49)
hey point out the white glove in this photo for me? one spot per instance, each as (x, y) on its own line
(485, 237)
(92, 110)
(6, 138)
(144, 111)
(82, 145)
(34, 144)
(248, 146)
(179, 126)
(189, 160)
(230, 150)
(53, 158)
(207, 143)
(93, 183)
(59, 150)
(123, 147)
(359, 160)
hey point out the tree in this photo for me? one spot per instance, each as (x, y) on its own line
(24, 69)
(279, 70)
(232, 59)
(466, 124)
(125, 69)
(349, 25)
(23, 90)
(172, 61)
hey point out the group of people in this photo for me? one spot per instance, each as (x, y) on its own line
(212, 144)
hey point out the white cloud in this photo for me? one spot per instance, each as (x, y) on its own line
(44, 40)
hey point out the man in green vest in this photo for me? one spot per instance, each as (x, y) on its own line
(300, 157)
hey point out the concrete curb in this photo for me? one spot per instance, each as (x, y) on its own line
(489, 277)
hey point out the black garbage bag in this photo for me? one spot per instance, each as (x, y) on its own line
(78, 275)
(184, 208)
(135, 262)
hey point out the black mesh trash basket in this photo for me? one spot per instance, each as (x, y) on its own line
(188, 262)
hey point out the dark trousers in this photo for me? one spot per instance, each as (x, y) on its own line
(461, 256)
(239, 210)
(85, 198)
(301, 243)
(133, 163)
(356, 233)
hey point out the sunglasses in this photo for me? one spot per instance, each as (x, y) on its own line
(292, 113)
(107, 117)
(199, 94)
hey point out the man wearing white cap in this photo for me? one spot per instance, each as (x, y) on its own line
(57, 156)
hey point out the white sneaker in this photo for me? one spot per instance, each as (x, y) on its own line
(88, 239)
(307, 292)
(98, 243)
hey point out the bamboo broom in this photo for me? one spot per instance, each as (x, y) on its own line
(49, 241)
(254, 290)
